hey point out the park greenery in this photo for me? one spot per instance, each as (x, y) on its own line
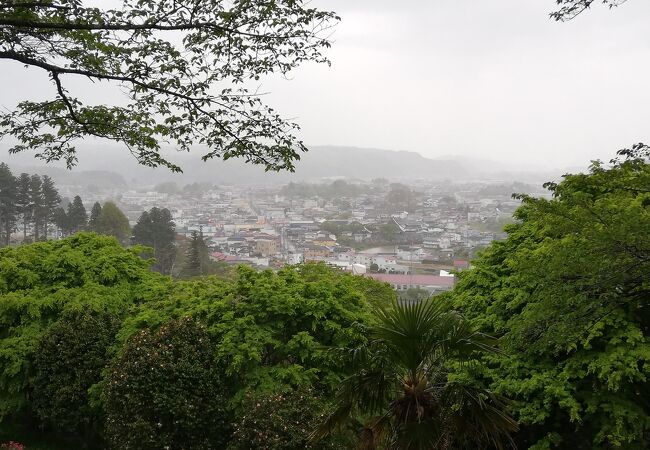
(542, 344)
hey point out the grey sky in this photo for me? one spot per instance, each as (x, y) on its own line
(489, 78)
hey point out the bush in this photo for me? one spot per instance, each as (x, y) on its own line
(281, 422)
(69, 360)
(166, 392)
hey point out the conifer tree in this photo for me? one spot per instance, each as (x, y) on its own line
(8, 206)
(76, 215)
(36, 204)
(23, 201)
(51, 201)
(95, 212)
(194, 257)
(155, 229)
(61, 220)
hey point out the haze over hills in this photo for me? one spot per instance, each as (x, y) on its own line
(104, 166)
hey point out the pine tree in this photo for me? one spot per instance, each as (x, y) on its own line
(8, 204)
(194, 256)
(77, 216)
(155, 229)
(51, 201)
(61, 220)
(23, 200)
(95, 212)
(36, 204)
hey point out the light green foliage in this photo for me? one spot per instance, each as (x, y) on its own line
(269, 332)
(41, 282)
(272, 329)
(569, 291)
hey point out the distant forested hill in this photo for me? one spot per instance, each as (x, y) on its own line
(320, 162)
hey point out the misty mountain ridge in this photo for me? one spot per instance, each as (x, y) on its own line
(110, 166)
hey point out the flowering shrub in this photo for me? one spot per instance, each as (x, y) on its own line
(282, 421)
(12, 445)
(166, 391)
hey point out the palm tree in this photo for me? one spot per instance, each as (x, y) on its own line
(401, 393)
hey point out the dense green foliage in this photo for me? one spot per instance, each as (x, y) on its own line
(166, 390)
(113, 222)
(82, 318)
(42, 282)
(68, 362)
(87, 331)
(569, 292)
(272, 329)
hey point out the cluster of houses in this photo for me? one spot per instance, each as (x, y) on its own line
(267, 228)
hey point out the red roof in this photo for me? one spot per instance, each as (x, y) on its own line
(420, 280)
(218, 256)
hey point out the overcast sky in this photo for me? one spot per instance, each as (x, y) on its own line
(490, 78)
(495, 79)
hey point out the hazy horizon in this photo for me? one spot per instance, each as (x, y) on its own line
(493, 80)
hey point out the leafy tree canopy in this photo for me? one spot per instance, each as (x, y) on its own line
(271, 328)
(569, 292)
(39, 283)
(166, 390)
(185, 68)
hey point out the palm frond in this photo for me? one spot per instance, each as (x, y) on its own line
(478, 416)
